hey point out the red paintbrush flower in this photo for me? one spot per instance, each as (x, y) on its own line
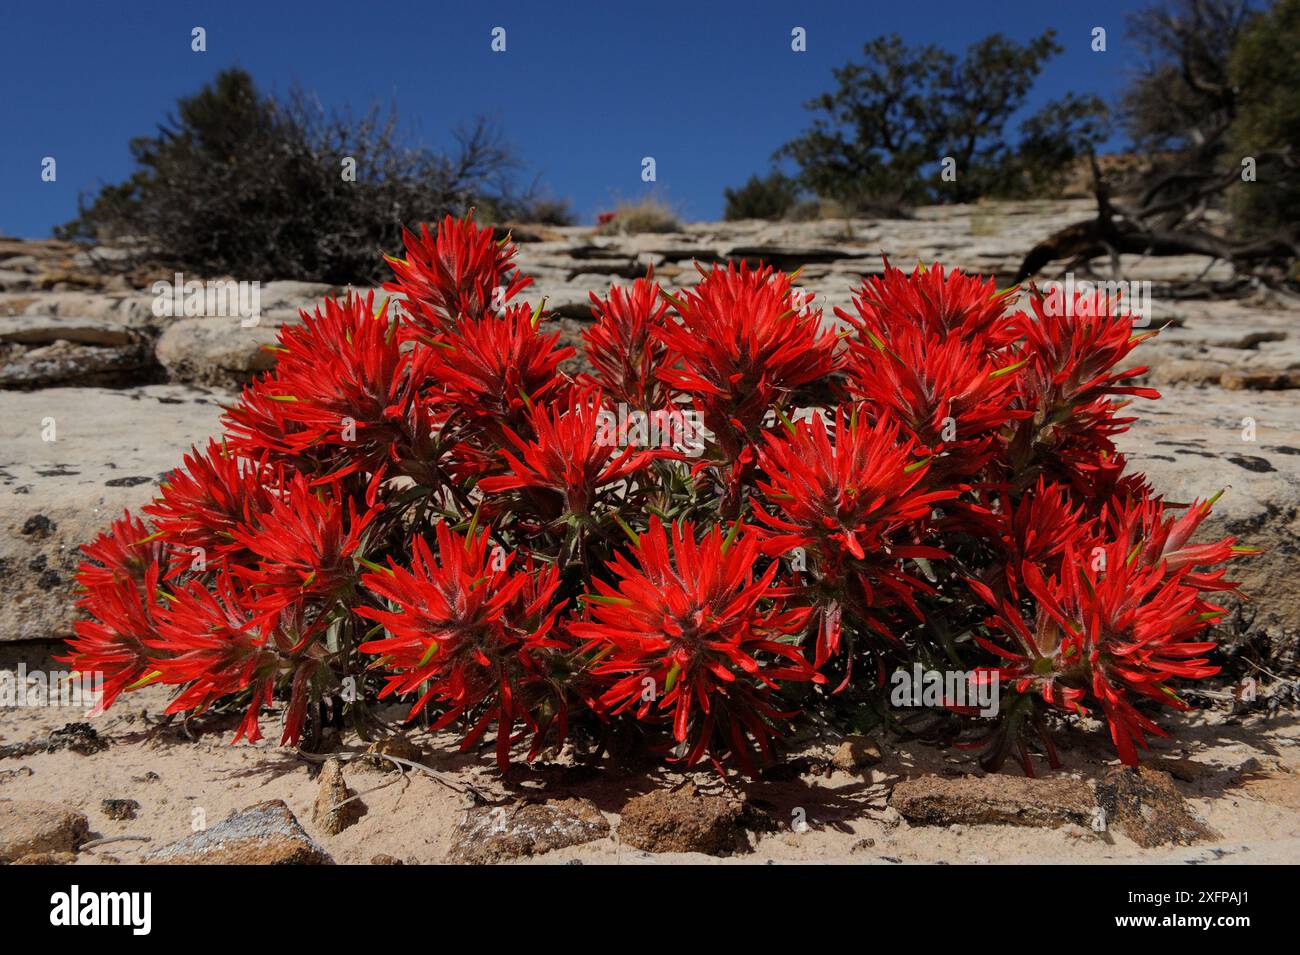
(304, 546)
(745, 345)
(1038, 529)
(936, 303)
(684, 632)
(1069, 379)
(125, 551)
(347, 384)
(1108, 626)
(258, 429)
(953, 398)
(114, 641)
(572, 455)
(492, 371)
(211, 642)
(854, 507)
(1159, 539)
(624, 345)
(981, 438)
(458, 272)
(201, 505)
(472, 634)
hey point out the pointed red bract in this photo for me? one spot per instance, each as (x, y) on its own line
(458, 272)
(625, 345)
(746, 341)
(472, 634)
(691, 633)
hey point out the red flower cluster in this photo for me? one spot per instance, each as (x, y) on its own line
(418, 502)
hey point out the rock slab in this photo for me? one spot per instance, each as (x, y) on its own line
(490, 834)
(1146, 806)
(264, 834)
(993, 800)
(685, 820)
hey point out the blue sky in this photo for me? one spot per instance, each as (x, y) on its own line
(584, 90)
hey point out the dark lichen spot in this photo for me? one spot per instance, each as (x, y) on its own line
(1251, 463)
(48, 580)
(39, 526)
(127, 481)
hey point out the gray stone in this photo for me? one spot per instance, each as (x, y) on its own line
(1146, 806)
(217, 352)
(47, 329)
(490, 834)
(65, 363)
(264, 834)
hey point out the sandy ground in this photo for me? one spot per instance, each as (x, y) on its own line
(1249, 793)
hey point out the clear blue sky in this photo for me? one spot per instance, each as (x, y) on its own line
(584, 90)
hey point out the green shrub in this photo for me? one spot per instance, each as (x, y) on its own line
(763, 197)
(1265, 70)
(240, 183)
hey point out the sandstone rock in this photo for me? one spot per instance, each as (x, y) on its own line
(1186, 371)
(264, 834)
(490, 834)
(335, 808)
(993, 800)
(68, 363)
(47, 329)
(1144, 804)
(12, 280)
(109, 449)
(134, 310)
(1261, 380)
(382, 858)
(218, 352)
(855, 753)
(1194, 443)
(787, 258)
(1188, 770)
(28, 827)
(291, 293)
(684, 820)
